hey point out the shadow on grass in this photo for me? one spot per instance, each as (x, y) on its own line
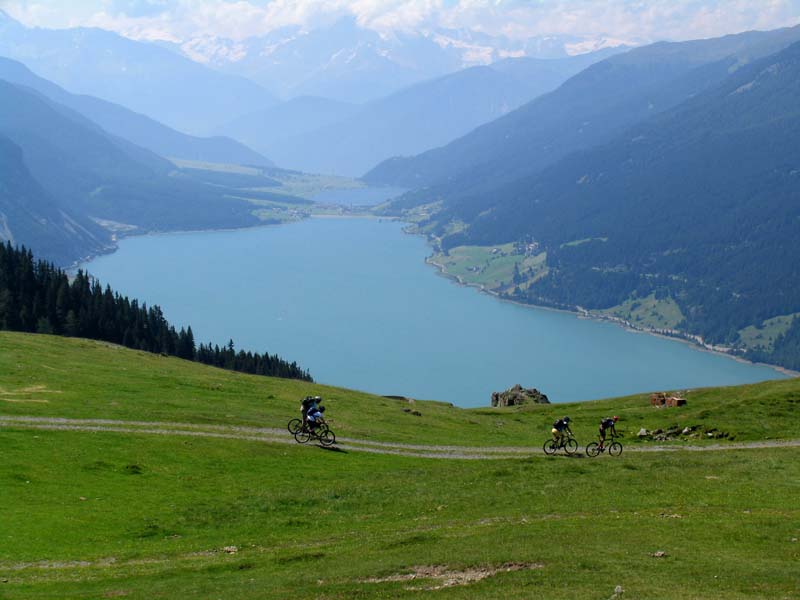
(332, 449)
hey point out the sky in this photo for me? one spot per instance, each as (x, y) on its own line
(630, 20)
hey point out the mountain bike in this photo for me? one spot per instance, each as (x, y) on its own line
(614, 448)
(567, 442)
(305, 433)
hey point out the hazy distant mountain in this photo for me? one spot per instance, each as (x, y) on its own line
(544, 75)
(268, 130)
(144, 77)
(136, 128)
(587, 110)
(350, 141)
(91, 175)
(350, 63)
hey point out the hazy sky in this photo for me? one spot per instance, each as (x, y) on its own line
(632, 20)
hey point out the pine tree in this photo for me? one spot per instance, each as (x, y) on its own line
(36, 296)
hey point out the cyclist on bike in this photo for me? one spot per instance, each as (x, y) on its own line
(314, 416)
(560, 428)
(605, 425)
(309, 404)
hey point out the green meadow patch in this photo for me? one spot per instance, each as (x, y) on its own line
(251, 520)
(105, 514)
(492, 267)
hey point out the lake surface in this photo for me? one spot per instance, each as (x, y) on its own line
(353, 301)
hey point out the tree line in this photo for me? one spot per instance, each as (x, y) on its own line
(38, 297)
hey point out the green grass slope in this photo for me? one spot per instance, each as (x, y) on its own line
(111, 514)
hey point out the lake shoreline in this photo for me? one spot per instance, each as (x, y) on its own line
(114, 246)
(383, 285)
(441, 270)
(121, 235)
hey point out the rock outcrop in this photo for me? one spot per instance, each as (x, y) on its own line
(517, 396)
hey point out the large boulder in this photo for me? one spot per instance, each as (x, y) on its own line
(517, 396)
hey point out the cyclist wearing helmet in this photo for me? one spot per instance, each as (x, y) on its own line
(605, 425)
(560, 427)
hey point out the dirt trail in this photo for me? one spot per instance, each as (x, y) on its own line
(281, 436)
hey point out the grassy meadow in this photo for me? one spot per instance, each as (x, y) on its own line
(109, 514)
(491, 267)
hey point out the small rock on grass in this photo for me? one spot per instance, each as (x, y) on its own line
(230, 549)
(659, 554)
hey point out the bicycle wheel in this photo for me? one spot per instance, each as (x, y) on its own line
(550, 447)
(294, 426)
(303, 436)
(571, 447)
(327, 437)
(592, 449)
(615, 449)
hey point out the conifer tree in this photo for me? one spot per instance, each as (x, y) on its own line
(36, 296)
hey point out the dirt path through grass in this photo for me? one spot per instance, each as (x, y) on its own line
(281, 436)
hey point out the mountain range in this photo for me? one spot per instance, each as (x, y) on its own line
(325, 136)
(586, 110)
(351, 63)
(68, 185)
(680, 186)
(144, 77)
(134, 127)
(663, 176)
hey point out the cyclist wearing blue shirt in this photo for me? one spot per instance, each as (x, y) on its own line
(314, 416)
(309, 405)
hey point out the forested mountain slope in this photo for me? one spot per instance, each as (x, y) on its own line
(134, 127)
(29, 216)
(589, 109)
(89, 174)
(699, 205)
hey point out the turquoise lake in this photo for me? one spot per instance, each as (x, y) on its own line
(353, 301)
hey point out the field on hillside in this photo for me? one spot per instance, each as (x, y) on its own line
(649, 312)
(108, 514)
(491, 267)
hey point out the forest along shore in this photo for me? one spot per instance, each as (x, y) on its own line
(694, 341)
